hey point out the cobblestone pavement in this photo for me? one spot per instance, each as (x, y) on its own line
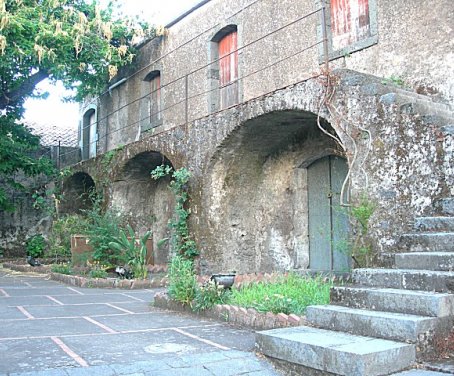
(50, 329)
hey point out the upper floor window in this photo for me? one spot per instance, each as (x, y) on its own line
(154, 108)
(89, 133)
(224, 70)
(353, 25)
(228, 69)
(349, 22)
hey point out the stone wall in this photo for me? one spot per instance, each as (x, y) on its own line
(248, 164)
(280, 43)
(27, 219)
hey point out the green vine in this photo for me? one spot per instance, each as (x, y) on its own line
(182, 241)
(44, 199)
(109, 156)
(105, 163)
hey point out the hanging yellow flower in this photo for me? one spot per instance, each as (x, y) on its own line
(113, 70)
(122, 50)
(107, 31)
(2, 44)
(40, 52)
(4, 20)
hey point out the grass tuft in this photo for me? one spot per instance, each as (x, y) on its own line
(290, 294)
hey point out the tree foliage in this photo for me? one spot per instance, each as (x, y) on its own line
(73, 41)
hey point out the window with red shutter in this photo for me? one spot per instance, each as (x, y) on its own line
(351, 24)
(228, 69)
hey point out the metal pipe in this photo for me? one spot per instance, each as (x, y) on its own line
(118, 83)
(325, 37)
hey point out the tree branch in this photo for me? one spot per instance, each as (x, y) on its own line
(24, 90)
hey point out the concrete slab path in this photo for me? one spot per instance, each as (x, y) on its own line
(50, 329)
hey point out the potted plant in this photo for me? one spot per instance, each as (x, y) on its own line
(224, 280)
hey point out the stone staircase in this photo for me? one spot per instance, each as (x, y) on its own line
(387, 320)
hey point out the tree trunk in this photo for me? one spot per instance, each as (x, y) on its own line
(9, 98)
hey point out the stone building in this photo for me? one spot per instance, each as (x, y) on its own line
(285, 112)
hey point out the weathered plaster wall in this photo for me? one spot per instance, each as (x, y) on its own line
(248, 177)
(248, 162)
(414, 44)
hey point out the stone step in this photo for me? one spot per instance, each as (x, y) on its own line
(386, 325)
(428, 242)
(336, 353)
(434, 224)
(446, 206)
(423, 103)
(443, 261)
(424, 280)
(419, 372)
(422, 303)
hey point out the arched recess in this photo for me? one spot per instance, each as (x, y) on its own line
(77, 194)
(256, 195)
(146, 203)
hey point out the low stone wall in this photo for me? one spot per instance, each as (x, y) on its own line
(80, 281)
(246, 279)
(250, 317)
(109, 282)
(43, 269)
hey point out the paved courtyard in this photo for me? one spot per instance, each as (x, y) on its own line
(52, 329)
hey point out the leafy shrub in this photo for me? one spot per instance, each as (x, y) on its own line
(135, 252)
(61, 268)
(60, 237)
(94, 269)
(102, 229)
(361, 248)
(182, 280)
(35, 246)
(208, 295)
(97, 273)
(291, 294)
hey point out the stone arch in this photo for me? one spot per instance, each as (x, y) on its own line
(147, 204)
(77, 193)
(255, 192)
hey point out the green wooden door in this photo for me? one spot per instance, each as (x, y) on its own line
(328, 222)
